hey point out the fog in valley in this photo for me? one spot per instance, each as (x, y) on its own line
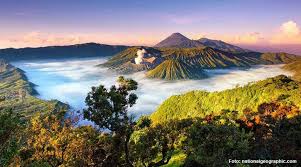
(70, 80)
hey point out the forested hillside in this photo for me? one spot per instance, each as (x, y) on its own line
(258, 121)
(16, 92)
(202, 103)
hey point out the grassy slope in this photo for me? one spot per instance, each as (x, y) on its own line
(174, 69)
(294, 67)
(12, 83)
(201, 103)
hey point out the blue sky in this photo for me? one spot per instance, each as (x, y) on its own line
(29, 22)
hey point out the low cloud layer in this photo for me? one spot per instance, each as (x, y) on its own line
(69, 81)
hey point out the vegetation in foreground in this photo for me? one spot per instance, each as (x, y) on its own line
(269, 131)
(202, 103)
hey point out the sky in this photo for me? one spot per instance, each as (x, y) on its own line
(262, 24)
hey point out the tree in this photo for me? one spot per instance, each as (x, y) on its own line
(10, 128)
(276, 128)
(109, 110)
(154, 145)
(211, 144)
(57, 142)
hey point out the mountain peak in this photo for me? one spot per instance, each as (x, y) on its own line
(177, 34)
(176, 40)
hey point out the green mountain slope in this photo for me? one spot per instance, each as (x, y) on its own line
(295, 68)
(193, 59)
(174, 69)
(202, 103)
(16, 92)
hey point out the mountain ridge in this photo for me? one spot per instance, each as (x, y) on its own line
(60, 52)
(180, 41)
(193, 59)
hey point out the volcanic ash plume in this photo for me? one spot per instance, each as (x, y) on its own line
(140, 56)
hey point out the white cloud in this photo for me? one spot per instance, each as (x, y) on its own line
(290, 28)
(288, 33)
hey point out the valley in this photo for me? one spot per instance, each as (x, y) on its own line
(189, 86)
(19, 94)
(70, 80)
(150, 83)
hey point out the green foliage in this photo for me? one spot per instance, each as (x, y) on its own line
(213, 145)
(202, 103)
(10, 129)
(16, 92)
(16, 103)
(13, 79)
(55, 142)
(276, 130)
(108, 109)
(234, 124)
(156, 145)
(143, 122)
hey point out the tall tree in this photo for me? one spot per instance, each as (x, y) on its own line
(109, 110)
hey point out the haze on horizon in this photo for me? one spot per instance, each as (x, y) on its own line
(270, 26)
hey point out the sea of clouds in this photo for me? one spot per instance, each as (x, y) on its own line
(70, 80)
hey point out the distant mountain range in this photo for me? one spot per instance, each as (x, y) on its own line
(177, 40)
(188, 63)
(176, 57)
(61, 52)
